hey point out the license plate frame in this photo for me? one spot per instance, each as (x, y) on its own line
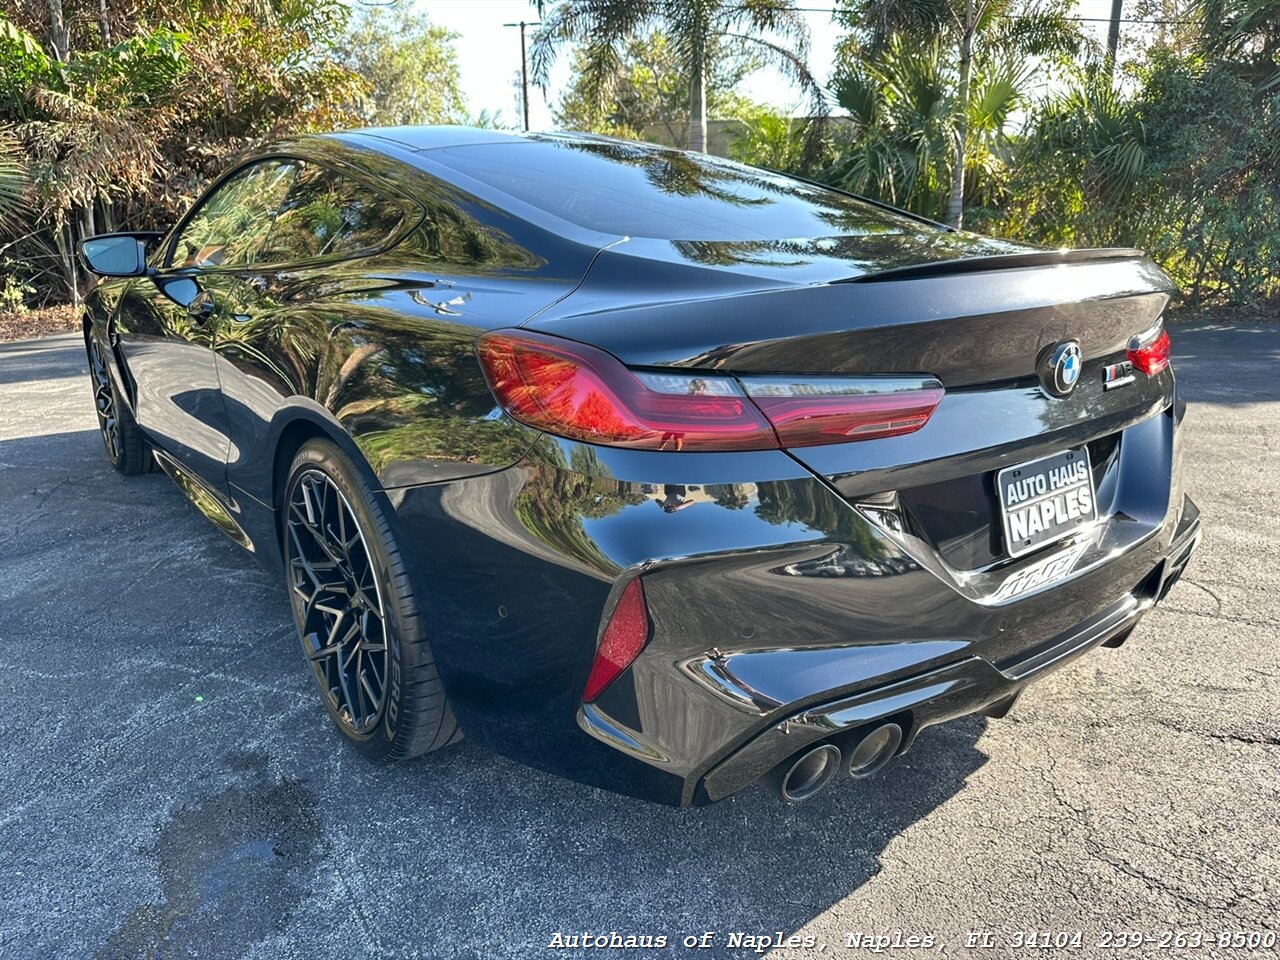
(1053, 485)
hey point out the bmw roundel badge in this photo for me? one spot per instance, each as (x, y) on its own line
(1060, 366)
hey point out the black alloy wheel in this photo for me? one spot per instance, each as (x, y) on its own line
(342, 620)
(126, 448)
(355, 610)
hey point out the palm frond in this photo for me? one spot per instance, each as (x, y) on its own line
(14, 180)
(603, 26)
(793, 66)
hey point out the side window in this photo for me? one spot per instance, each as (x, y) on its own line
(228, 228)
(328, 215)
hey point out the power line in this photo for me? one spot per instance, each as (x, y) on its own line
(1007, 16)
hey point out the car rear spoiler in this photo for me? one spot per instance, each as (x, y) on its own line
(1003, 261)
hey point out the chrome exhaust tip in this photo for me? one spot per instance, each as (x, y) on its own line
(800, 777)
(874, 750)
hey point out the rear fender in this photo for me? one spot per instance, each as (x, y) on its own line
(258, 505)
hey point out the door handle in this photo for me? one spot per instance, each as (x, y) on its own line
(201, 308)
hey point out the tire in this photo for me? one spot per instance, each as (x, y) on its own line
(127, 448)
(350, 594)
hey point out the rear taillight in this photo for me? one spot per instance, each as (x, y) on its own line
(624, 637)
(572, 390)
(1149, 352)
(837, 409)
(579, 392)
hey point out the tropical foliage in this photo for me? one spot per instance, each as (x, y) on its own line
(114, 115)
(1177, 153)
(650, 86)
(998, 114)
(904, 124)
(13, 177)
(700, 33)
(932, 84)
(409, 66)
(1187, 168)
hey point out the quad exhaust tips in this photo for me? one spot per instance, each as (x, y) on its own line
(803, 775)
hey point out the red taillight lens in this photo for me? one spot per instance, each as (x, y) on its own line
(575, 391)
(572, 390)
(836, 410)
(1150, 354)
(624, 637)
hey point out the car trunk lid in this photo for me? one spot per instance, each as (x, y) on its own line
(964, 319)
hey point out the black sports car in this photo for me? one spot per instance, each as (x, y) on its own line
(654, 470)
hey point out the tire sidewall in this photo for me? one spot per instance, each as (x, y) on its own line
(327, 458)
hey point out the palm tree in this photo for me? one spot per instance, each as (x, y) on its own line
(1246, 32)
(905, 117)
(699, 31)
(86, 124)
(977, 31)
(1094, 122)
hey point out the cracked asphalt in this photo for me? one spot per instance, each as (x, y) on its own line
(170, 786)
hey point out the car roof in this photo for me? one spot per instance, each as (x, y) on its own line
(420, 138)
(557, 182)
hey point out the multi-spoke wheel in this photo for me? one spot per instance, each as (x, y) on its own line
(126, 447)
(341, 617)
(355, 611)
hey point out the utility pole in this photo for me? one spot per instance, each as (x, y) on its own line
(1113, 34)
(524, 67)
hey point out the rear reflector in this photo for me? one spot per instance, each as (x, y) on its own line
(1149, 352)
(576, 391)
(822, 410)
(624, 638)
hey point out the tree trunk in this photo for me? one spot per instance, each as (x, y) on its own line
(104, 24)
(64, 243)
(955, 207)
(59, 39)
(697, 136)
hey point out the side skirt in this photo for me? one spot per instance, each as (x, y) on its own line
(204, 499)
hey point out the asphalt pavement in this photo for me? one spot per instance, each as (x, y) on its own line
(171, 787)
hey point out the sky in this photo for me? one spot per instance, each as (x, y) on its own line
(489, 55)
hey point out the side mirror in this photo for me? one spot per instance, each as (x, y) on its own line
(116, 254)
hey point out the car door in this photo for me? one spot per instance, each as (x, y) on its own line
(167, 324)
(276, 341)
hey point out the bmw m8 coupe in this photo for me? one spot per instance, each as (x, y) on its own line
(660, 472)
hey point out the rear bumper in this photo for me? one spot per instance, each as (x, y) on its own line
(780, 609)
(968, 686)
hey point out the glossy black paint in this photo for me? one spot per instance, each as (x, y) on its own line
(786, 587)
